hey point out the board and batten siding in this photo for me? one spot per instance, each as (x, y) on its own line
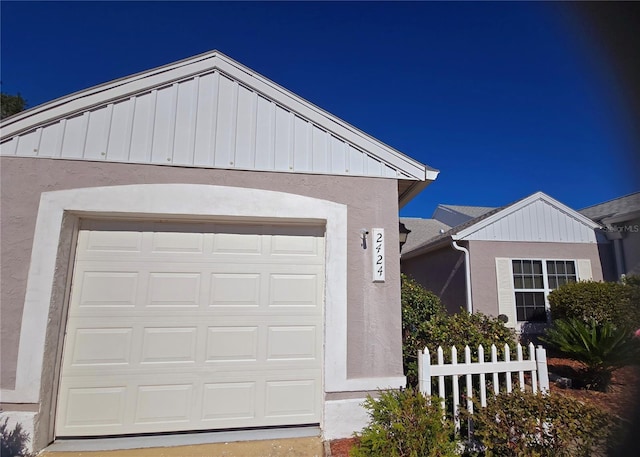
(208, 120)
(538, 221)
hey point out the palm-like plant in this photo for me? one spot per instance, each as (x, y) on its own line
(602, 348)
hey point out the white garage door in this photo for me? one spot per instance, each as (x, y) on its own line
(176, 327)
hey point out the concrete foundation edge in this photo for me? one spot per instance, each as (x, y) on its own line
(342, 418)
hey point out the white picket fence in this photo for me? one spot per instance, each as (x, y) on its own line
(537, 365)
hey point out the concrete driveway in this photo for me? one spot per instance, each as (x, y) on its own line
(291, 447)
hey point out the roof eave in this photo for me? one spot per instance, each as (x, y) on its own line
(416, 187)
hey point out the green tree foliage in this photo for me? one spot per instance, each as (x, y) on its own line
(425, 323)
(523, 424)
(600, 301)
(405, 424)
(601, 347)
(11, 104)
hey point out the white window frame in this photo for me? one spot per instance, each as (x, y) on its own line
(546, 289)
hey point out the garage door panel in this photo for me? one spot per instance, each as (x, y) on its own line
(90, 408)
(293, 398)
(292, 343)
(294, 245)
(174, 289)
(238, 244)
(177, 243)
(169, 345)
(163, 403)
(232, 344)
(293, 290)
(100, 346)
(108, 288)
(229, 400)
(103, 242)
(179, 331)
(235, 289)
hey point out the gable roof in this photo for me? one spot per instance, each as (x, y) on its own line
(616, 210)
(206, 111)
(471, 211)
(454, 215)
(502, 224)
(421, 229)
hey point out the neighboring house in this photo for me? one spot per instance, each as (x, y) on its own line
(182, 250)
(620, 219)
(502, 260)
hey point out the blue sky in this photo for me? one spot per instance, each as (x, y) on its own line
(504, 98)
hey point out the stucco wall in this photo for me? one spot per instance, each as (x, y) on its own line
(483, 264)
(441, 272)
(374, 335)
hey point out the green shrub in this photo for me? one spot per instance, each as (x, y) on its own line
(425, 323)
(601, 301)
(524, 424)
(602, 348)
(418, 304)
(405, 424)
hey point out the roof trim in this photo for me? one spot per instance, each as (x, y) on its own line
(202, 64)
(467, 228)
(510, 209)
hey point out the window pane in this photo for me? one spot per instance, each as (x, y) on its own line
(537, 267)
(537, 315)
(538, 283)
(518, 283)
(571, 279)
(571, 268)
(519, 299)
(517, 266)
(538, 298)
(551, 267)
(561, 280)
(560, 269)
(526, 267)
(553, 282)
(521, 315)
(528, 282)
(529, 299)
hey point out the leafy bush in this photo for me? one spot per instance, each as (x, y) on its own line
(602, 348)
(601, 301)
(13, 443)
(405, 424)
(418, 306)
(526, 424)
(425, 322)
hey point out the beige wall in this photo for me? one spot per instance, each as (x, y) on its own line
(441, 272)
(374, 335)
(483, 264)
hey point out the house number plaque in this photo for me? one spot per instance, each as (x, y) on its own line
(378, 255)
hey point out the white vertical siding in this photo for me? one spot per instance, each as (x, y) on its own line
(538, 221)
(209, 120)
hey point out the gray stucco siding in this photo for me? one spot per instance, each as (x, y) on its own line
(374, 335)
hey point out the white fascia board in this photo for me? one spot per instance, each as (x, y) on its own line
(462, 234)
(198, 65)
